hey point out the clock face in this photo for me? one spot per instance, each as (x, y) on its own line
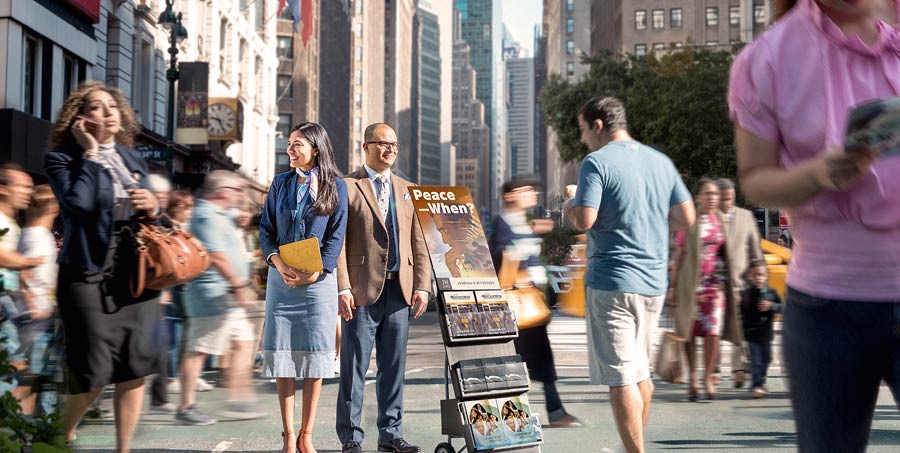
(222, 119)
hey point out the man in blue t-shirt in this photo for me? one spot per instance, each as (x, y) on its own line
(629, 197)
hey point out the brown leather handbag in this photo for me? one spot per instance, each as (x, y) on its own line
(165, 257)
(524, 299)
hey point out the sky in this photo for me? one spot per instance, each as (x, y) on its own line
(520, 17)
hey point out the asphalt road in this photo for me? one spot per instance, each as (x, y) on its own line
(733, 422)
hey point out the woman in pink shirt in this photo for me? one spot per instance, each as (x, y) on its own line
(789, 97)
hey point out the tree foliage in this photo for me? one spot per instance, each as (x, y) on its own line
(675, 103)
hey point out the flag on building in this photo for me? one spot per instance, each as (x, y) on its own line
(301, 10)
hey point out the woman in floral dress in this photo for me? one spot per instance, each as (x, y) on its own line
(701, 290)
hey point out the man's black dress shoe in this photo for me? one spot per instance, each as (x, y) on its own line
(398, 446)
(351, 447)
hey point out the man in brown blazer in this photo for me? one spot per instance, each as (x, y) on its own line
(384, 277)
(743, 248)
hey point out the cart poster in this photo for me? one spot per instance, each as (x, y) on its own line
(483, 418)
(455, 238)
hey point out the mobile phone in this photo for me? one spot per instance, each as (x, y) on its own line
(91, 126)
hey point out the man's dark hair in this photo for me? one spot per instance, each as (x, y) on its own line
(757, 263)
(520, 181)
(607, 109)
(5, 169)
(370, 130)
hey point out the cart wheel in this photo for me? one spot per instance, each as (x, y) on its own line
(445, 447)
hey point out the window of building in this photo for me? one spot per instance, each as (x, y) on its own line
(570, 68)
(357, 124)
(759, 14)
(358, 6)
(712, 43)
(678, 45)
(358, 77)
(285, 87)
(143, 82)
(242, 50)
(359, 26)
(640, 50)
(712, 16)
(570, 25)
(359, 51)
(570, 5)
(734, 16)
(659, 19)
(284, 125)
(658, 47)
(286, 14)
(285, 47)
(675, 18)
(259, 17)
(640, 19)
(570, 47)
(357, 100)
(31, 75)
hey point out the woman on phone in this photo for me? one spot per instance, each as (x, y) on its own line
(101, 186)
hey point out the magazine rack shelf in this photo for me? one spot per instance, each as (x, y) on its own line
(488, 408)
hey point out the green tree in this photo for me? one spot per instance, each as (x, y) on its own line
(675, 103)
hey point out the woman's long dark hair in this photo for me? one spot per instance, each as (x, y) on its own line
(327, 199)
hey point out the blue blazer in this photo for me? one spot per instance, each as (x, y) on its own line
(85, 194)
(277, 222)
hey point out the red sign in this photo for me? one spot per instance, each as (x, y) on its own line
(783, 221)
(87, 8)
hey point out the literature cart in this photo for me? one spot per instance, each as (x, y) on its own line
(489, 408)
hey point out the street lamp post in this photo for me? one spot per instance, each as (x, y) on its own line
(177, 33)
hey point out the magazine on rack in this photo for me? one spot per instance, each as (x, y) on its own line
(463, 317)
(483, 418)
(497, 317)
(502, 422)
(875, 125)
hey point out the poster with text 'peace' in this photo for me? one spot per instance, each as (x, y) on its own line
(455, 239)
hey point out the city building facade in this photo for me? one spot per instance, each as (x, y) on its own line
(471, 136)
(641, 26)
(50, 47)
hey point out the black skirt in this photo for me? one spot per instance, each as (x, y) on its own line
(110, 337)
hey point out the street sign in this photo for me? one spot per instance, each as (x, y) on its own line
(148, 153)
(783, 222)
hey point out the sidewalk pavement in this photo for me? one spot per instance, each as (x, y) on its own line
(733, 422)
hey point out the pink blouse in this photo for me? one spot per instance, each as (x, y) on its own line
(794, 86)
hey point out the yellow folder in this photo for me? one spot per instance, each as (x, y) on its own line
(303, 255)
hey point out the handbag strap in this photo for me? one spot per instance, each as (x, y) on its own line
(137, 283)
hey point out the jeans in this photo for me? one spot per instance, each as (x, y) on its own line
(837, 353)
(174, 321)
(760, 358)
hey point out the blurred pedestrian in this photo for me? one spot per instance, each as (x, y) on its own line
(309, 201)
(178, 215)
(789, 97)
(739, 225)
(101, 186)
(759, 304)
(216, 302)
(159, 398)
(513, 235)
(628, 198)
(16, 310)
(38, 286)
(703, 300)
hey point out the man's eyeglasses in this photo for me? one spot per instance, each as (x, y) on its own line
(389, 145)
(239, 189)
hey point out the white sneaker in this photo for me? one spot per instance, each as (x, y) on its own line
(162, 409)
(203, 386)
(174, 386)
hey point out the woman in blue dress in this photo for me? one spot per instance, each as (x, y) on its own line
(308, 201)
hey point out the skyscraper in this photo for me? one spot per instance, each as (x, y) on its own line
(521, 116)
(471, 136)
(429, 98)
(481, 29)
